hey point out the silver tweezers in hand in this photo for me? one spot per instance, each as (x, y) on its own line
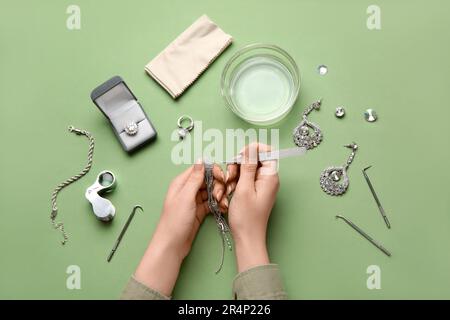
(271, 155)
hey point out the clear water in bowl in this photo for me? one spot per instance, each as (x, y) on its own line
(262, 88)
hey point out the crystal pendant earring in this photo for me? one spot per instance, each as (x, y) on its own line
(303, 137)
(334, 180)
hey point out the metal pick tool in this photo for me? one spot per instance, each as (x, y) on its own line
(122, 233)
(380, 207)
(271, 155)
(365, 235)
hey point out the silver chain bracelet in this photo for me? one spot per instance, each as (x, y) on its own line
(62, 185)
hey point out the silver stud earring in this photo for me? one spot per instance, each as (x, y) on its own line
(334, 180)
(303, 137)
(370, 115)
(340, 112)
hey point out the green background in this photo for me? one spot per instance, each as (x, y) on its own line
(402, 71)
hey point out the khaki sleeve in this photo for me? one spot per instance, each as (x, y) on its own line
(259, 283)
(135, 290)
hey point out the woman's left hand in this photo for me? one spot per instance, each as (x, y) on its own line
(184, 210)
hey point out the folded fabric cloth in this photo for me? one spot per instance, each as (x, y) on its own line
(184, 60)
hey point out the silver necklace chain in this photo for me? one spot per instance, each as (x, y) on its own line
(222, 224)
(62, 185)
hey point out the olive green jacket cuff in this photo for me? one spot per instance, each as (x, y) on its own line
(135, 290)
(258, 283)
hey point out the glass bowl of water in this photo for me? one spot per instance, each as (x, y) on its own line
(260, 83)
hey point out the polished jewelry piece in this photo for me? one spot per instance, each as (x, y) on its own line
(322, 69)
(131, 128)
(370, 115)
(334, 180)
(62, 185)
(303, 137)
(340, 112)
(183, 131)
(222, 224)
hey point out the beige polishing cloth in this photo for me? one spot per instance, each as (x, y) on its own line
(184, 60)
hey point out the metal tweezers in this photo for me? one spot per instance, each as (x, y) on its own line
(271, 155)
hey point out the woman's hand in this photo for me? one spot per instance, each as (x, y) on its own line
(255, 186)
(184, 210)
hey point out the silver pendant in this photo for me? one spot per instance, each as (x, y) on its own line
(334, 180)
(308, 134)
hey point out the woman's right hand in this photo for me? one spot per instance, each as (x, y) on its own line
(254, 186)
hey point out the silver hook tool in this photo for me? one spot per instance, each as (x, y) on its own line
(365, 235)
(380, 207)
(122, 233)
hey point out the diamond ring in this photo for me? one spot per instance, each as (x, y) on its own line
(131, 128)
(183, 131)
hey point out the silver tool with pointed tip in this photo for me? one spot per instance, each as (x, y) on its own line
(365, 235)
(380, 207)
(122, 233)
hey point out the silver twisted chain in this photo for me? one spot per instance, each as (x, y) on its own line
(222, 224)
(62, 185)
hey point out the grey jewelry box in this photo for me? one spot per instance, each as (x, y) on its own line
(121, 107)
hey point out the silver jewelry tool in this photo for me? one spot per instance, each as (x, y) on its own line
(372, 190)
(303, 137)
(222, 224)
(272, 155)
(365, 235)
(62, 185)
(122, 233)
(334, 180)
(183, 131)
(103, 208)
